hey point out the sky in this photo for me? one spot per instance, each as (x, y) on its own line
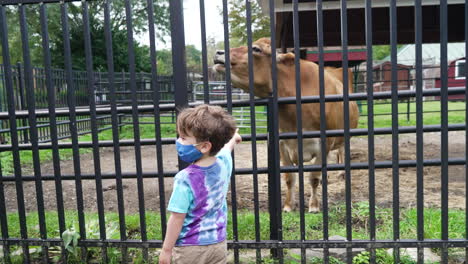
(192, 25)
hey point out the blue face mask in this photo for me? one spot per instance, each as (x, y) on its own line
(188, 153)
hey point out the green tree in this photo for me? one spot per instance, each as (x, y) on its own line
(14, 39)
(96, 16)
(238, 22)
(382, 51)
(164, 60)
(193, 60)
(75, 19)
(98, 44)
(194, 63)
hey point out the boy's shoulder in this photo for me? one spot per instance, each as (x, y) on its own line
(184, 174)
(224, 152)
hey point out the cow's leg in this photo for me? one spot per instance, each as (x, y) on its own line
(340, 155)
(289, 203)
(339, 160)
(290, 179)
(314, 179)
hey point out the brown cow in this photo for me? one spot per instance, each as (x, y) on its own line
(354, 113)
(287, 112)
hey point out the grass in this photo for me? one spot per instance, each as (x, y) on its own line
(432, 115)
(246, 225)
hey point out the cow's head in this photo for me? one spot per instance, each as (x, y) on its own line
(261, 51)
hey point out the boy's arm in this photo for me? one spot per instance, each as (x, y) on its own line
(236, 139)
(174, 226)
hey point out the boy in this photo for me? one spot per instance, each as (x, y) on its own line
(197, 225)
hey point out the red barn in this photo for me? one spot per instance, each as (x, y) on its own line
(456, 78)
(383, 77)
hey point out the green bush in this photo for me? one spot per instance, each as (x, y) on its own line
(381, 257)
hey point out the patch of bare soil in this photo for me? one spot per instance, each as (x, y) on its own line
(244, 183)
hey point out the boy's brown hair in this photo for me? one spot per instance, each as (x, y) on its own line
(207, 123)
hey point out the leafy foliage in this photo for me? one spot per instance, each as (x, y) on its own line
(238, 22)
(96, 22)
(381, 257)
(193, 55)
(98, 44)
(381, 51)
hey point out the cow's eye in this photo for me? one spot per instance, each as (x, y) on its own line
(256, 49)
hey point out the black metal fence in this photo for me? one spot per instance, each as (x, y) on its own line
(320, 135)
(101, 91)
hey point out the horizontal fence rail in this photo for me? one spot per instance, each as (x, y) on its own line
(240, 103)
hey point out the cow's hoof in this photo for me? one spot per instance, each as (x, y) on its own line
(287, 209)
(314, 210)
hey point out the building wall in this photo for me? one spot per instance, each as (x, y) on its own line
(383, 77)
(452, 82)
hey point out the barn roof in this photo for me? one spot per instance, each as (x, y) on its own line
(430, 53)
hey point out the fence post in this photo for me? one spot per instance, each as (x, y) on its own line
(179, 68)
(123, 89)
(408, 108)
(274, 179)
(355, 88)
(22, 103)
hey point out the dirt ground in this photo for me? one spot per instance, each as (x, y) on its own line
(244, 183)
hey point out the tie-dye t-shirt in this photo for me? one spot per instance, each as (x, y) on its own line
(200, 192)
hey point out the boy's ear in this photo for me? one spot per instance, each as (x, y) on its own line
(205, 147)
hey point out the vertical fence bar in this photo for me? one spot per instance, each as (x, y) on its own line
(14, 134)
(115, 127)
(274, 205)
(408, 101)
(94, 129)
(444, 125)
(136, 126)
(300, 141)
(178, 58)
(4, 220)
(466, 129)
(323, 128)
(206, 87)
(51, 95)
(395, 153)
(235, 231)
(227, 55)
(248, 10)
(41, 130)
(2, 100)
(17, 84)
(155, 87)
(274, 180)
(22, 102)
(73, 125)
(33, 128)
(419, 128)
(346, 125)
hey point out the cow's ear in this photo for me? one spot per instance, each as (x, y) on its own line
(285, 58)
